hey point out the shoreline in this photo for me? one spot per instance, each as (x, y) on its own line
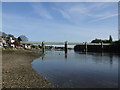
(0, 68)
(17, 71)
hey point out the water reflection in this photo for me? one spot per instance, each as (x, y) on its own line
(65, 55)
(111, 59)
(99, 57)
(43, 56)
(81, 70)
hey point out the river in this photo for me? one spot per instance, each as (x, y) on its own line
(78, 70)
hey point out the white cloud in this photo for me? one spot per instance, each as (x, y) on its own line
(96, 11)
(64, 14)
(40, 10)
(80, 9)
(70, 12)
(34, 29)
(105, 17)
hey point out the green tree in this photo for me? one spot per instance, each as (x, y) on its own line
(96, 41)
(19, 39)
(4, 35)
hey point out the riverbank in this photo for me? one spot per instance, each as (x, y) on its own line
(0, 68)
(17, 71)
(113, 48)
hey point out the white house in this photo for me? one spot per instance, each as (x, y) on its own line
(4, 43)
(12, 42)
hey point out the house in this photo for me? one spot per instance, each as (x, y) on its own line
(27, 46)
(1, 42)
(4, 42)
(12, 42)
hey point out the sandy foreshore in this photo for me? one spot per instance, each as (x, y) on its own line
(0, 68)
(17, 71)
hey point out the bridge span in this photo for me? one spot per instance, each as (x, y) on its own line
(64, 43)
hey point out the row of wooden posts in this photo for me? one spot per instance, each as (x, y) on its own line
(86, 47)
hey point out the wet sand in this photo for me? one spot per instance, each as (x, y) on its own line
(17, 71)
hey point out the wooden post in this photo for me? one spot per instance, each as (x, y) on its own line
(43, 47)
(101, 46)
(66, 46)
(65, 55)
(23, 45)
(86, 47)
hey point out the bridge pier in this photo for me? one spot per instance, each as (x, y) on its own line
(43, 47)
(85, 46)
(66, 43)
(101, 46)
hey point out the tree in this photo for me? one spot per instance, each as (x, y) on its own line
(22, 38)
(110, 39)
(19, 39)
(4, 35)
(10, 35)
(96, 41)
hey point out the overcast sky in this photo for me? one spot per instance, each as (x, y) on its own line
(61, 21)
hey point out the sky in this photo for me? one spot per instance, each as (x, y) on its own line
(61, 21)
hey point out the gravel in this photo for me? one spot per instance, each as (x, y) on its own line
(17, 71)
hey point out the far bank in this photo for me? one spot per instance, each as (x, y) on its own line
(113, 48)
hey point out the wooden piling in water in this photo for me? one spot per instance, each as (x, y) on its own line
(43, 47)
(85, 46)
(101, 46)
(66, 43)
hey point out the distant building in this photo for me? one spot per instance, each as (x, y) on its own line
(12, 42)
(4, 42)
(27, 46)
(1, 41)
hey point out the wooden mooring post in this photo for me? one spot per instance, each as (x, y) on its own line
(86, 49)
(101, 46)
(43, 47)
(66, 43)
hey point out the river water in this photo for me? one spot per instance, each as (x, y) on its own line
(78, 70)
